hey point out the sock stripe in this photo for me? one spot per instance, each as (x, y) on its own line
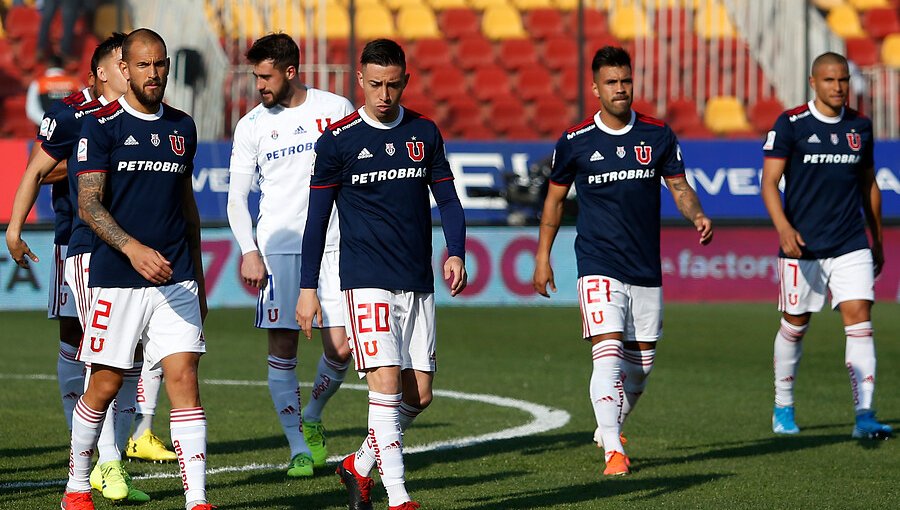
(337, 367)
(67, 356)
(132, 373)
(87, 414)
(859, 333)
(187, 414)
(282, 363)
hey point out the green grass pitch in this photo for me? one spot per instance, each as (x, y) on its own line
(700, 437)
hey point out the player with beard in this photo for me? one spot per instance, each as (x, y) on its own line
(134, 161)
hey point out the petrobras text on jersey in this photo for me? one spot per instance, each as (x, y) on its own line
(622, 175)
(289, 151)
(152, 166)
(389, 175)
(849, 159)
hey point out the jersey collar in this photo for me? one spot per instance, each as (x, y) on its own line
(140, 115)
(380, 125)
(821, 116)
(103, 100)
(606, 129)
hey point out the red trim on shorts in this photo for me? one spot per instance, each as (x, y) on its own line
(354, 336)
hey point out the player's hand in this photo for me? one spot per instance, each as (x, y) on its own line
(878, 258)
(704, 226)
(791, 242)
(253, 270)
(308, 308)
(20, 251)
(455, 273)
(148, 262)
(543, 276)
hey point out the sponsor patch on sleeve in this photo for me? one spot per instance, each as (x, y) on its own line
(770, 141)
(82, 149)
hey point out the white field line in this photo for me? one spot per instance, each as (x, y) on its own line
(543, 419)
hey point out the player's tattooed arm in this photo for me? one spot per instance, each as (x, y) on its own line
(689, 206)
(95, 214)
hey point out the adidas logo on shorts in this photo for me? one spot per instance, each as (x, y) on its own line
(131, 141)
(363, 154)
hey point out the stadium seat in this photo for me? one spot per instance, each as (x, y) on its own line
(417, 22)
(682, 113)
(490, 82)
(246, 22)
(337, 51)
(864, 5)
(505, 114)
(725, 115)
(483, 5)
(844, 21)
(502, 22)
(645, 107)
(566, 5)
(337, 24)
(544, 23)
(440, 5)
(713, 22)
(423, 104)
(431, 53)
(446, 82)
(526, 5)
(596, 24)
(881, 22)
(287, 18)
(567, 85)
(827, 5)
(593, 44)
(862, 51)
(396, 5)
(374, 21)
(462, 112)
(560, 52)
(533, 83)
(522, 132)
(459, 23)
(475, 52)
(764, 113)
(517, 53)
(551, 117)
(890, 51)
(628, 22)
(22, 22)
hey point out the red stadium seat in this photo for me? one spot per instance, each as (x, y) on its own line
(447, 82)
(15, 122)
(881, 22)
(475, 52)
(645, 107)
(506, 114)
(543, 24)
(522, 132)
(674, 23)
(517, 53)
(568, 85)
(694, 132)
(763, 114)
(596, 24)
(682, 113)
(534, 82)
(459, 23)
(423, 104)
(463, 112)
(862, 51)
(22, 22)
(432, 53)
(560, 53)
(592, 44)
(337, 51)
(551, 116)
(490, 82)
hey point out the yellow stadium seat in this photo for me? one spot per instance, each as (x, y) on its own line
(395, 5)
(502, 22)
(827, 5)
(566, 5)
(726, 115)
(417, 22)
(287, 18)
(629, 22)
(374, 21)
(440, 5)
(481, 5)
(712, 22)
(337, 24)
(212, 17)
(890, 51)
(864, 5)
(844, 21)
(246, 21)
(525, 5)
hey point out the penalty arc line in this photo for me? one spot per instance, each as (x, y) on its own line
(544, 419)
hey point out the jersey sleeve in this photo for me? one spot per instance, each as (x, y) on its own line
(328, 166)
(440, 167)
(58, 132)
(93, 147)
(780, 139)
(244, 149)
(562, 167)
(346, 107)
(672, 163)
(191, 145)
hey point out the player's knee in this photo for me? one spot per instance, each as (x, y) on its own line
(338, 354)
(419, 399)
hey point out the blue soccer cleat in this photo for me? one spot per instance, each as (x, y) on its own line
(783, 421)
(867, 427)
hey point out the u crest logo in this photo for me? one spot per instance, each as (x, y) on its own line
(273, 315)
(177, 143)
(854, 140)
(63, 299)
(643, 153)
(372, 349)
(793, 299)
(597, 317)
(319, 124)
(416, 150)
(97, 344)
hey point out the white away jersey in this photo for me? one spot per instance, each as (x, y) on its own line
(280, 143)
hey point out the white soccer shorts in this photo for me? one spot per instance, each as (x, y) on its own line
(61, 301)
(391, 328)
(168, 317)
(805, 283)
(77, 272)
(610, 306)
(277, 302)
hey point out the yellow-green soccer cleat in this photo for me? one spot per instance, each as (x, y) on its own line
(96, 478)
(314, 433)
(301, 466)
(150, 448)
(116, 484)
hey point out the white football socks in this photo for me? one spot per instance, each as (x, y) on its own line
(788, 350)
(606, 392)
(636, 367)
(188, 429)
(147, 396)
(860, 359)
(85, 430)
(387, 444)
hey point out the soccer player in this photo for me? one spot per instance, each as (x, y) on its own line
(824, 151)
(59, 134)
(134, 161)
(617, 160)
(378, 164)
(277, 138)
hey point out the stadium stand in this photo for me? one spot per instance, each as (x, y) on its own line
(417, 22)
(502, 22)
(725, 115)
(890, 51)
(844, 21)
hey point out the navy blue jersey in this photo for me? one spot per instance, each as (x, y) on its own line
(146, 158)
(383, 173)
(51, 132)
(824, 159)
(617, 176)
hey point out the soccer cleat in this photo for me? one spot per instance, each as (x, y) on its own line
(409, 505)
(116, 484)
(314, 433)
(783, 420)
(616, 464)
(96, 478)
(867, 427)
(301, 466)
(77, 501)
(149, 447)
(358, 487)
